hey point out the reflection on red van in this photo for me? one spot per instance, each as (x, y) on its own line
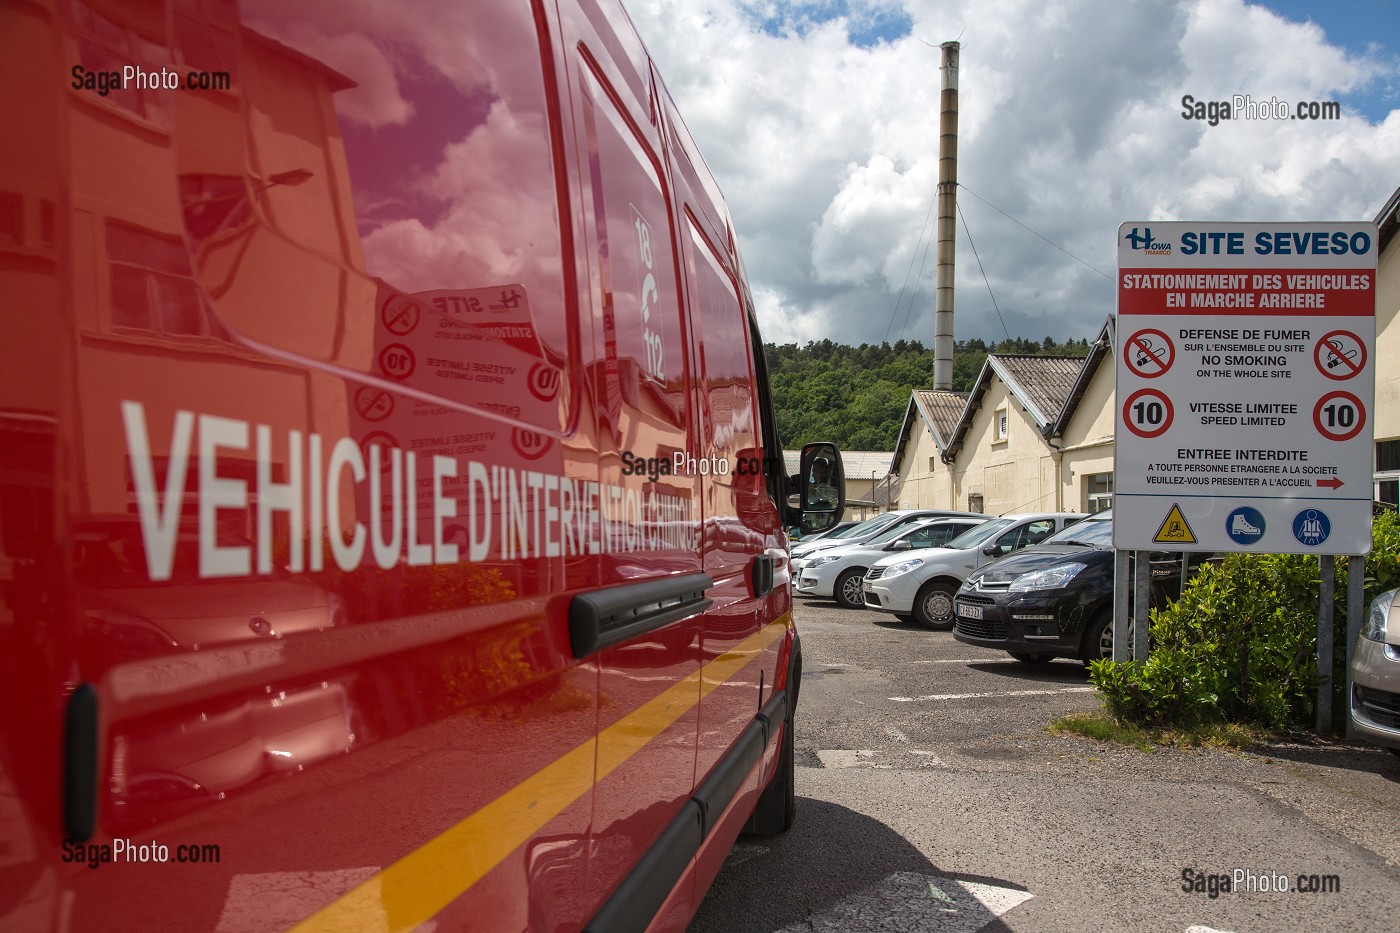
(390, 531)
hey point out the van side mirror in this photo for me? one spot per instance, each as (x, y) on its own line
(901, 545)
(821, 487)
(991, 550)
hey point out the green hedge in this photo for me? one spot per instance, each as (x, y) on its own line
(1241, 643)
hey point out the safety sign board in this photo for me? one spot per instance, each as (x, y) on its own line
(1175, 529)
(1245, 387)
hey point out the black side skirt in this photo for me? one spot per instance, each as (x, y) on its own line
(640, 895)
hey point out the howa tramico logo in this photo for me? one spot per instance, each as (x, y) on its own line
(1143, 241)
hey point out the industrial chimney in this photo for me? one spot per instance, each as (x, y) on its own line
(947, 231)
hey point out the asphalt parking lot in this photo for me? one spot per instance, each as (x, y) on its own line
(931, 798)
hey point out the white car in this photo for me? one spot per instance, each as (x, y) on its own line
(920, 584)
(837, 572)
(1375, 674)
(869, 528)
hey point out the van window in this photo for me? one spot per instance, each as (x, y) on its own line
(724, 353)
(421, 194)
(644, 350)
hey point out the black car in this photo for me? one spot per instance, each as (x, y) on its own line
(1054, 600)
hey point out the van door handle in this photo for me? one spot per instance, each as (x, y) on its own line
(606, 617)
(761, 574)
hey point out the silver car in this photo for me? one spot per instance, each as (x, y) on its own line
(1375, 675)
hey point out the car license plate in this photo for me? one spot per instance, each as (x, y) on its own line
(971, 612)
(869, 587)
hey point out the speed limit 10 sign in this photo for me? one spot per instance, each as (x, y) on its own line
(1245, 386)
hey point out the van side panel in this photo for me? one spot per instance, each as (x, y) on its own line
(352, 530)
(639, 373)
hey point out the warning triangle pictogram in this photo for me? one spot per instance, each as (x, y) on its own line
(1175, 529)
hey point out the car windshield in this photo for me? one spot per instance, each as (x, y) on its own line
(852, 530)
(975, 536)
(872, 526)
(890, 534)
(1092, 532)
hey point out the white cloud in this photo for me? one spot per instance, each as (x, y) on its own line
(1070, 121)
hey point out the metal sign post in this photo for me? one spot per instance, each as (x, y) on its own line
(1325, 603)
(1356, 610)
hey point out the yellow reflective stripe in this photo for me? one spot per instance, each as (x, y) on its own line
(419, 885)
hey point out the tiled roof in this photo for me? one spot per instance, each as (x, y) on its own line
(854, 463)
(1099, 351)
(944, 408)
(1388, 220)
(937, 409)
(1043, 381)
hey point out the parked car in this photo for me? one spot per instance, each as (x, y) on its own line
(919, 585)
(839, 572)
(873, 526)
(812, 536)
(1055, 600)
(1375, 675)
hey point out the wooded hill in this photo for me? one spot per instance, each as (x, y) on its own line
(857, 396)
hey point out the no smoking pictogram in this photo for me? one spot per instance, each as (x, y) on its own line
(400, 315)
(397, 361)
(373, 403)
(1339, 416)
(1149, 353)
(1148, 413)
(1339, 355)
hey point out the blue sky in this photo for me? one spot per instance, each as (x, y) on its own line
(1362, 27)
(819, 119)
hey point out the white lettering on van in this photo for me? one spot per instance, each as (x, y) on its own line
(444, 507)
(345, 453)
(510, 514)
(218, 492)
(279, 497)
(654, 363)
(160, 524)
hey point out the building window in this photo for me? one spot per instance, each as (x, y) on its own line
(1388, 456)
(105, 45)
(974, 502)
(933, 464)
(1001, 424)
(153, 289)
(1098, 492)
(1387, 487)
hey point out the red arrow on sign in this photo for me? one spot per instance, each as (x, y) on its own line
(1333, 482)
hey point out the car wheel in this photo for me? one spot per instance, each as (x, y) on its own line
(1025, 658)
(933, 607)
(1098, 638)
(850, 588)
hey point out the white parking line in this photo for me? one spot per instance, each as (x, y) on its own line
(981, 696)
(844, 757)
(910, 901)
(968, 661)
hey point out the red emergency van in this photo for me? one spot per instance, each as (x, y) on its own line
(391, 506)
